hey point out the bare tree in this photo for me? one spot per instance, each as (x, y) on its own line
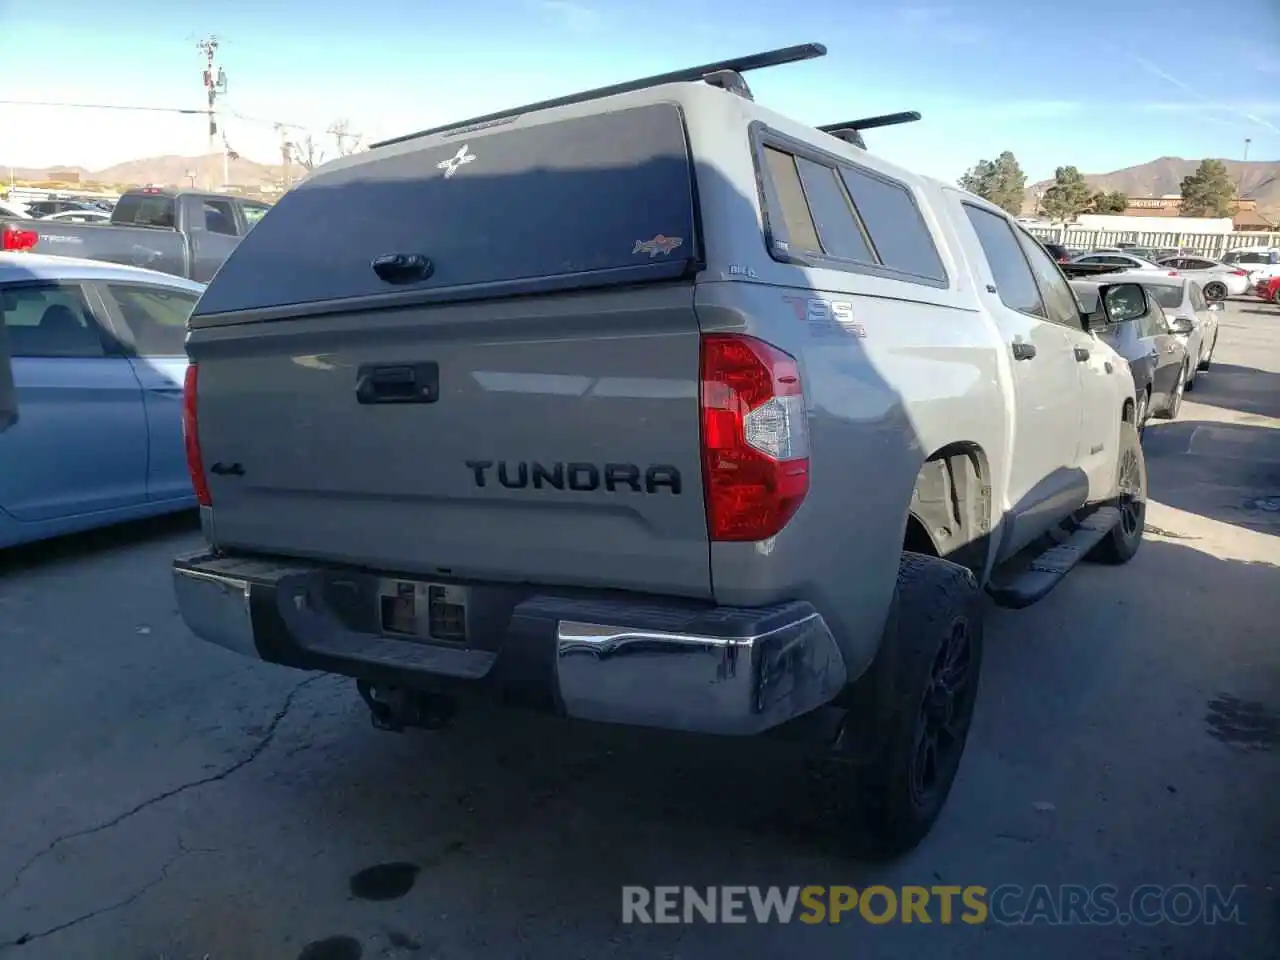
(348, 142)
(307, 153)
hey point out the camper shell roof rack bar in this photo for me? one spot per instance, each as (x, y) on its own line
(725, 74)
(851, 131)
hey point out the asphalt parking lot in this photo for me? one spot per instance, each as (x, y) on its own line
(164, 799)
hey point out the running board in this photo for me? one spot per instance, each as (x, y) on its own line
(1048, 569)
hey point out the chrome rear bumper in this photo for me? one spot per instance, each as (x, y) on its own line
(676, 665)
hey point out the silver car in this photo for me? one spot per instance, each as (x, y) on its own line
(1218, 280)
(1124, 261)
(1191, 318)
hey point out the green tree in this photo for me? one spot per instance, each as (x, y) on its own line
(1108, 201)
(1068, 196)
(1208, 192)
(1000, 180)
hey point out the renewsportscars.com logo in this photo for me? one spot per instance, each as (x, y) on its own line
(1005, 905)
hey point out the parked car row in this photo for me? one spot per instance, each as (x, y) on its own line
(180, 232)
(61, 208)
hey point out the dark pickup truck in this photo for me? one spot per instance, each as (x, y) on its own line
(180, 232)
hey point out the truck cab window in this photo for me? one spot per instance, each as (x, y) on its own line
(219, 217)
(144, 211)
(253, 212)
(1015, 283)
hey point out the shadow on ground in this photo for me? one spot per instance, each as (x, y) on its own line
(1228, 472)
(96, 543)
(1243, 389)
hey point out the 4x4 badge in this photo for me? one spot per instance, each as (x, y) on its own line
(657, 245)
(450, 166)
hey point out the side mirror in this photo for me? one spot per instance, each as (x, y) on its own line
(1093, 322)
(1217, 306)
(1180, 325)
(1123, 301)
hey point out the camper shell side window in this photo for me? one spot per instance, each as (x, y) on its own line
(820, 209)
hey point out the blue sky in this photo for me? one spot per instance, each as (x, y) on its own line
(1093, 83)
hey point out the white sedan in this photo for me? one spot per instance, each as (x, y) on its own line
(1218, 280)
(1125, 261)
(1189, 316)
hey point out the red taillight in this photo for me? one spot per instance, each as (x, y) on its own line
(1239, 273)
(14, 238)
(191, 438)
(1173, 273)
(755, 437)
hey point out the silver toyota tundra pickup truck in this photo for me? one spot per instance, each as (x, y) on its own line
(652, 406)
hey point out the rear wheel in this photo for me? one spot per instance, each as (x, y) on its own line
(936, 650)
(1208, 361)
(1140, 417)
(1131, 499)
(1175, 403)
(1216, 290)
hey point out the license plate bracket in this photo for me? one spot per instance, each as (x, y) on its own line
(422, 611)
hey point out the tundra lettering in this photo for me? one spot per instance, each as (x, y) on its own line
(579, 477)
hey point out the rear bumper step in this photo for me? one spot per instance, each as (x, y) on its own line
(671, 664)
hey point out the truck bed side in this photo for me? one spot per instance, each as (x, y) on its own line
(154, 248)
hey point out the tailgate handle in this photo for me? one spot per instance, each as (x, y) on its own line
(402, 267)
(399, 383)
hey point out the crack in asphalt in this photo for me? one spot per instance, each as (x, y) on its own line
(160, 878)
(267, 737)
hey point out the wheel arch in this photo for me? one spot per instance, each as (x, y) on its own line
(951, 506)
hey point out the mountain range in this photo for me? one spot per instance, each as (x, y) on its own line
(1259, 179)
(169, 170)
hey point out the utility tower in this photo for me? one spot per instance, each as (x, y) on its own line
(215, 85)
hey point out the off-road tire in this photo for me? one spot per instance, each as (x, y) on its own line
(1215, 290)
(1208, 361)
(1124, 539)
(938, 611)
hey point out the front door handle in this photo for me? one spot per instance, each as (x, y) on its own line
(1082, 354)
(1023, 351)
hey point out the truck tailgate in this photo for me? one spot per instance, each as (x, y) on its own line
(558, 443)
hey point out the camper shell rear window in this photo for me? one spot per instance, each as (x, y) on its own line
(588, 201)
